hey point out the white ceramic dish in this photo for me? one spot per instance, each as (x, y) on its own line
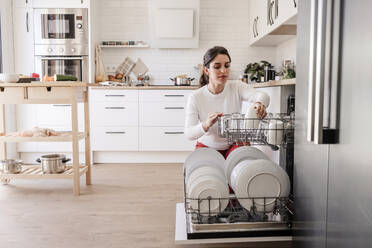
(208, 186)
(9, 78)
(203, 156)
(204, 171)
(239, 154)
(259, 178)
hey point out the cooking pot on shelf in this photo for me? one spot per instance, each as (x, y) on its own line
(11, 166)
(53, 163)
(182, 81)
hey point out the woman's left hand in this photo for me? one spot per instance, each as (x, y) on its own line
(260, 110)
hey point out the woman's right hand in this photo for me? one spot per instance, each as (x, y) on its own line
(212, 118)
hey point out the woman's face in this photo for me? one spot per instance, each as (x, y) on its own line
(219, 69)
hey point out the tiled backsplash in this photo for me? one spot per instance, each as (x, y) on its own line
(222, 23)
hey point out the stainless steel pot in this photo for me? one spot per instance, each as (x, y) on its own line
(182, 81)
(53, 163)
(11, 166)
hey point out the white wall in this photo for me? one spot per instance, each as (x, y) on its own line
(222, 23)
(285, 51)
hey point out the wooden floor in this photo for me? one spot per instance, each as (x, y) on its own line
(128, 205)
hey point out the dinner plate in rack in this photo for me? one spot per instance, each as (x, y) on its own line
(203, 171)
(203, 156)
(240, 154)
(259, 178)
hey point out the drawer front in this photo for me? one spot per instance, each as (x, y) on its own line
(98, 95)
(58, 116)
(162, 114)
(164, 95)
(11, 94)
(114, 114)
(164, 139)
(114, 138)
(53, 92)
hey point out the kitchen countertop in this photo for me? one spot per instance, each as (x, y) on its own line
(152, 87)
(47, 84)
(274, 83)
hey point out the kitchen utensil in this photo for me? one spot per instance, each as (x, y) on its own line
(11, 166)
(53, 163)
(139, 68)
(182, 81)
(9, 77)
(259, 178)
(240, 154)
(203, 156)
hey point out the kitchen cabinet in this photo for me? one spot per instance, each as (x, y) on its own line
(61, 4)
(22, 3)
(23, 25)
(139, 120)
(272, 21)
(114, 120)
(182, 31)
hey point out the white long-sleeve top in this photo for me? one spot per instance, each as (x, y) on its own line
(202, 102)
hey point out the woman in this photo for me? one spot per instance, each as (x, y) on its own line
(216, 97)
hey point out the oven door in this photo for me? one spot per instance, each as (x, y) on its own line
(74, 66)
(61, 26)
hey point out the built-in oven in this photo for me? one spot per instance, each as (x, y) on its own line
(62, 59)
(61, 26)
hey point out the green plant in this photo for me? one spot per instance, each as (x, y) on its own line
(256, 70)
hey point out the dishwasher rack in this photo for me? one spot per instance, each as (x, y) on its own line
(273, 130)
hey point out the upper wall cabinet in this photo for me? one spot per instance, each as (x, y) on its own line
(174, 24)
(60, 3)
(272, 21)
(22, 3)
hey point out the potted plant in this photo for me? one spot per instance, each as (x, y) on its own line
(256, 70)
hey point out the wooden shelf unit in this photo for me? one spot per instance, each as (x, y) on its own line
(49, 93)
(274, 83)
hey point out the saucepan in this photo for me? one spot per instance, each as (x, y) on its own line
(11, 166)
(182, 81)
(53, 163)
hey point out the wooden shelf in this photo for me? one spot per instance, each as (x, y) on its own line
(124, 46)
(65, 138)
(35, 171)
(274, 83)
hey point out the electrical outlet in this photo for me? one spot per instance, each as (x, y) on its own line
(110, 68)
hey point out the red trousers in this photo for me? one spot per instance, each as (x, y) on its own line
(224, 153)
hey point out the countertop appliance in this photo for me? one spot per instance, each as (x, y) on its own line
(332, 182)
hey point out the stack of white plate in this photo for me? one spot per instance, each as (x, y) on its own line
(251, 174)
(204, 178)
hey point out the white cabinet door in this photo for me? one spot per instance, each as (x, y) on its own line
(61, 3)
(164, 139)
(23, 26)
(258, 19)
(114, 138)
(101, 95)
(22, 3)
(287, 9)
(166, 114)
(114, 114)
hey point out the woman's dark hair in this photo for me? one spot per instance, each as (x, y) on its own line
(207, 59)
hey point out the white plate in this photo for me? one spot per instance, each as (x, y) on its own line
(204, 171)
(239, 154)
(259, 178)
(203, 156)
(208, 186)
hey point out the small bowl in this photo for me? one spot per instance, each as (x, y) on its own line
(9, 78)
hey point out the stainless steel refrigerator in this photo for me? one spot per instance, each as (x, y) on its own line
(333, 152)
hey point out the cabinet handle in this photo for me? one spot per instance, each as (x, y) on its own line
(271, 13)
(174, 108)
(294, 3)
(276, 8)
(114, 107)
(61, 105)
(173, 132)
(82, 1)
(26, 1)
(27, 27)
(115, 132)
(114, 95)
(174, 95)
(256, 26)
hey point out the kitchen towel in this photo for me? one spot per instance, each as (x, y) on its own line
(125, 67)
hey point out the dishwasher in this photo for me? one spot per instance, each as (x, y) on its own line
(236, 223)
